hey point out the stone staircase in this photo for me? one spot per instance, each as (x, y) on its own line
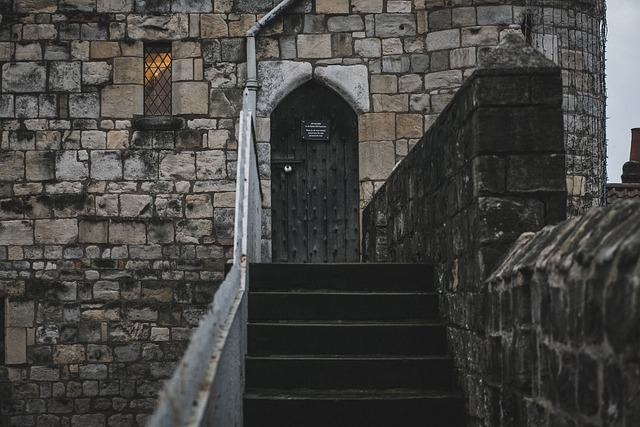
(347, 345)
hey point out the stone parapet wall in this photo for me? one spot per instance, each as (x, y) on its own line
(562, 325)
(470, 187)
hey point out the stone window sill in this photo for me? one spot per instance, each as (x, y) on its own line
(158, 123)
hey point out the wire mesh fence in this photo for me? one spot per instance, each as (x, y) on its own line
(572, 33)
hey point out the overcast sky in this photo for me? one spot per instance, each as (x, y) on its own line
(623, 81)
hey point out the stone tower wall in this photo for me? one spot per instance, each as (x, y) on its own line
(114, 230)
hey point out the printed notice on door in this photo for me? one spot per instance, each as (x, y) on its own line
(316, 130)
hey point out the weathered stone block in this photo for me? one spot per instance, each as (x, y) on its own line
(182, 69)
(480, 36)
(12, 166)
(332, 6)
(377, 160)
(367, 6)
(141, 165)
(386, 103)
(16, 232)
(44, 373)
(15, 346)
(26, 107)
(531, 172)
(384, 83)
(396, 64)
(440, 19)
(141, 313)
(160, 334)
(135, 205)
(117, 139)
(84, 105)
(47, 106)
(39, 32)
(94, 371)
(168, 206)
(95, 73)
(213, 26)
(65, 354)
(314, 45)
(190, 98)
(495, 15)
(191, 6)
(441, 40)
(23, 77)
(28, 52)
(127, 70)
(395, 25)
(463, 58)
(368, 48)
(442, 79)
(410, 83)
(106, 165)
(506, 218)
(40, 165)
(19, 314)
(160, 232)
(409, 125)
(114, 6)
(104, 50)
(38, 6)
(180, 165)
(463, 16)
(69, 168)
(106, 290)
(6, 106)
(341, 24)
(122, 101)
(88, 420)
(127, 232)
(192, 231)
(93, 231)
(52, 231)
(377, 127)
(198, 206)
(524, 134)
(127, 353)
(100, 315)
(218, 138)
(65, 76)
(158, 27)
(211, 164)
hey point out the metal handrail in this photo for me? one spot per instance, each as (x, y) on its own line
(207, 386)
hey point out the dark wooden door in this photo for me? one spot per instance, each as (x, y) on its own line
(314, 178)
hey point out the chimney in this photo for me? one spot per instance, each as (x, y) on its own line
(631, 169)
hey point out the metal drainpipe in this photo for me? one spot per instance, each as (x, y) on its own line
(251, 86)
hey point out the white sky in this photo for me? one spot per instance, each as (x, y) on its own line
(623, 81)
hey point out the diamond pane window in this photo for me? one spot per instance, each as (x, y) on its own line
(157, 80)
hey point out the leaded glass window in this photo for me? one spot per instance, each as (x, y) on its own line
(157, 80)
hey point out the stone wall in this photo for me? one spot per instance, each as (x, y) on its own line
(114, 229)
(491, 168)
(561, 328)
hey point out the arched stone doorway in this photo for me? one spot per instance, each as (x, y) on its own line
(314, 178)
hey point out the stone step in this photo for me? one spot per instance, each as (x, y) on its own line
(353, 408)
(346, 338)
(352, 277)
(327, 373)
(332, 345)
(323, 305)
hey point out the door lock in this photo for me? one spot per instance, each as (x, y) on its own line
(288, 169)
